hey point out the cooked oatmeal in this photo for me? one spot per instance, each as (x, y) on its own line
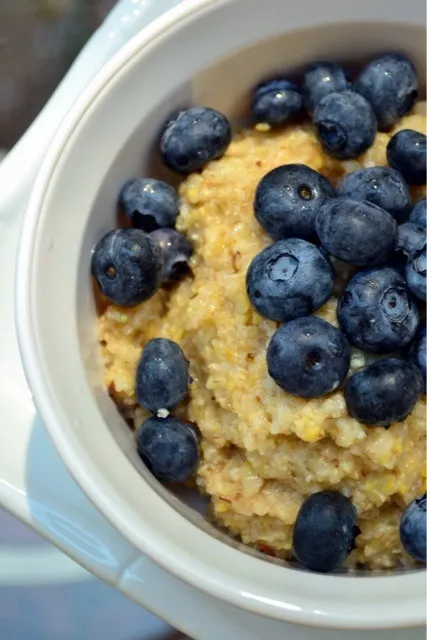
(263, 450)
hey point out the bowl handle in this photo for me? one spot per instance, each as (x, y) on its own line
(18, 169)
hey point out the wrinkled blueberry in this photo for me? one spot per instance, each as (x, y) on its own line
(410, 239)
(169, 448)
(325, 531)
(406, 152)
(149, 203)
(384, 392)
(127, 266)
(413, 525)
(418, 352)
(276, 101)
(345, 124)
(287, 199)
(419, 213)
(376, 311)
(193, 138)
(308, 357)
(321, 79)
(389, 83)
(176, 252)
(290, 279)
(359, 233)
(382, 186)
(162, 377)
(416, 271)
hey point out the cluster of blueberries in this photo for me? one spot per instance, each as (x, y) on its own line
(367, 222)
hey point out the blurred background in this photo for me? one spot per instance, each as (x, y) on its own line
(43, 594)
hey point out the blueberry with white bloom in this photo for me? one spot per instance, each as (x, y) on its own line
(127, 266)
(390, 85)
(289, 279)
(359, 233)
(308, 357)
(321, 79)
(345, 124)
(377, 312)
(406, 152)
(276, 101)
(287, 199)
(162, 378)
(413, 527)
(194, 137)
(384, 392)
(149, 203)
(382, 186)
(169, 447)
(325, 531)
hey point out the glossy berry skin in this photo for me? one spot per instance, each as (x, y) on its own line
(193, 138)
(381, 186)
(289, 279)
(359, 233)
(176, 251)
(418, 352)
(308, 357)
(406, 152)
(418, 214)
(376, 312)
(276, 101)
(415, 272)
(384, 392)
(126, 263)
(150, 204)
(410, 239)
(287, 200)
(389, 83)
(321, 79)
(413, 529)
(169, 447)
(162, 378)
(345, 124)
(325, 531)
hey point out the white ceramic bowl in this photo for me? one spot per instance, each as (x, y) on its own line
(209, 52)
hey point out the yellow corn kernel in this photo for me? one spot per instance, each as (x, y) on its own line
(262, 127)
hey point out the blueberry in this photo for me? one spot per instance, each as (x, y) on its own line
(287, 199)
(345, 124)
(359, 233)
(382, 186)
(419, 213)
(176, 252)
(162, 378)
(127, 266)
(276, 101)
(325, 531)
(418, 352)
(410, 239)
(169, 448)
(149, 203)
(413, 529)
(384, 392)
(416, 271)
(321, 79)
(193, 138)
(308, 357)
(390, 84)
(376, 312)
(406, 152)
(290, 279)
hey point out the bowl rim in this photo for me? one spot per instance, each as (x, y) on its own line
(98, 492)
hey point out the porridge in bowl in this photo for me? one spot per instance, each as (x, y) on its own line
(280, 359)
